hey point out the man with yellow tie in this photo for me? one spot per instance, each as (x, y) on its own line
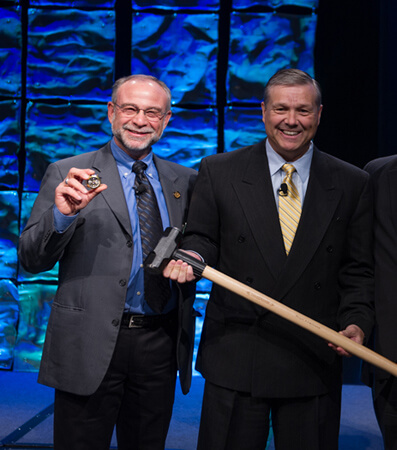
(294, 223)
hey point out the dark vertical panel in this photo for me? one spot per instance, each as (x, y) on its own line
(123, 39)
(388, 79)
(223, 53)
(346, 65)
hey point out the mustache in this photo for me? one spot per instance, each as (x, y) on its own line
(137, 130)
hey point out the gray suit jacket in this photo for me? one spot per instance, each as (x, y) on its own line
(95, 258)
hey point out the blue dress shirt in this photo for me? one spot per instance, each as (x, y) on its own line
(300, 177)
(135, 302)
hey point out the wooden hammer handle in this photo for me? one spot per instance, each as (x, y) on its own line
(299, 319)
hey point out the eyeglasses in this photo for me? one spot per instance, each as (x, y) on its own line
(131, 111)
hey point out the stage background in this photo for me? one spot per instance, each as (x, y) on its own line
(59, 59)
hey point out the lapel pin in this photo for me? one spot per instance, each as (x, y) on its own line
(177, 194)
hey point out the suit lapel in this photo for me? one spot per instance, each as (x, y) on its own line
(105, 165)
(172, 190)
(256, 197)
(321, 200)
(392, 185)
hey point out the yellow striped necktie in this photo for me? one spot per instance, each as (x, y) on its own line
(289, 208)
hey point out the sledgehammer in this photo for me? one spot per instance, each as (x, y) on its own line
(167, 249)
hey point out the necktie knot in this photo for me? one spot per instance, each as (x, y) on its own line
(139, 167)
(289, 169)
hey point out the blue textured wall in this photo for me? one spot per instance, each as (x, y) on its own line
(57, 65)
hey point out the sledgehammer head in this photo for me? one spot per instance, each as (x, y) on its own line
(160, 256)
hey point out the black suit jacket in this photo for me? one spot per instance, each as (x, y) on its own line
(95, 257)
(233, 223)
(384, 182)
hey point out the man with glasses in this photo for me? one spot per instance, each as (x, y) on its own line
(115, 338)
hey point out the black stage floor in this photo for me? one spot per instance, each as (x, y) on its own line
(26, 416)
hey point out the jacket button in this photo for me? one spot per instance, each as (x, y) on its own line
(249, 280)
(241, 239)
(317, 285)
(330, 248)
(122, 283)
(115, 322)
(129, 244)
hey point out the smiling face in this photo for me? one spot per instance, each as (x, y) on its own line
(136, 135)
(291, 117)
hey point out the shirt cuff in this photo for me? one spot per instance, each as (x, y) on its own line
(62, 222)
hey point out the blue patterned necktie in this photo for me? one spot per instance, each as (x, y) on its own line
(156, 287)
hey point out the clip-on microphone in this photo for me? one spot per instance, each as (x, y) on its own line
(283, 190)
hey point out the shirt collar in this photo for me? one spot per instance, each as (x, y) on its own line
(302, 165)
(125, 162)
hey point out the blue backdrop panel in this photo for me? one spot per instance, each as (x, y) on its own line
(243, 126)
(190, 136)
(75, 3)
(70, 54)
(261, 44)
(9, 232)
(200, 305)
(69, 57)
(179, 49)
(203, 286)
(240, 4)
(9, 307)
(27, 201)
(10, 136)
(55, 132)
(10, 51)
(209, 5)
(34, 310)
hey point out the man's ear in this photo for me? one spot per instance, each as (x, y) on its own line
(263, 112)
(167, 118)
(110, 111)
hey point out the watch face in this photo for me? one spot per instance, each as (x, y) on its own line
(93, 182)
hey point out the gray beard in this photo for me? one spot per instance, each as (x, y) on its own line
(137, 147)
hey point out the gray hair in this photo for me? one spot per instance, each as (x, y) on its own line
(123, 80)
(292, 77)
